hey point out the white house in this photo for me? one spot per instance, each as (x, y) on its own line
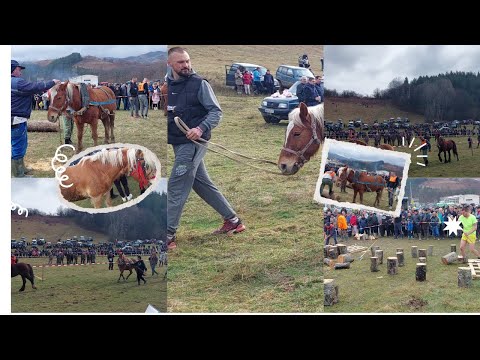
(462, 199)
(87, 79)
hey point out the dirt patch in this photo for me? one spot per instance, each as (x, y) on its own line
(416, 303)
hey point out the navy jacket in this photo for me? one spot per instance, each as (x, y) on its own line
(22, 94)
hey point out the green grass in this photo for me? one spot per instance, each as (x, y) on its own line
(361, 290)
(148, 133)
(92, 288)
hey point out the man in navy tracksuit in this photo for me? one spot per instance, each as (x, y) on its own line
(22, 94)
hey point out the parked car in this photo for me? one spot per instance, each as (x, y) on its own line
(230, 71)
(287, 75)
(275, 109)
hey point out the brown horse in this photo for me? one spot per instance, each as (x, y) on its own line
(362, 182)
(127, 265)
(305, 133)
(93, 176)
(444, 146)
(386, 147)
(26, 272)
(164, 97)
(359, 142)
(66, 97)
(381, 146)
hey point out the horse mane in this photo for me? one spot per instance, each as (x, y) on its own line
(112, 157)
(69, 91)
(316, 112)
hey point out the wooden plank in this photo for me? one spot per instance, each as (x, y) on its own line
(356, 248)
(474, 260)
(475, 269)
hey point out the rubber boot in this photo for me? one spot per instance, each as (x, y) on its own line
(26, 170)
(68, 141)
(18, 169)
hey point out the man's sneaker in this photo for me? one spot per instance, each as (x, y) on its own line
(229, 227)
(129, 197)
(171, 241)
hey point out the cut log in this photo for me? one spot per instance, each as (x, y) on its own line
(464, 277)
(400, 258)
(332, 252)
(462, 260)
(342, 249)
(345, 258)
(342, 266)
(421, 272)
(430, 250)
(399, 250)
(330, 291)
(449, 258)
(392, 265)
(325, 250)
(42, 126)
(379, 255)
(422, 260)
(329, 262)
(453, 248)
(374, 264)
(373, 249)
(422, 253)
(414, 252)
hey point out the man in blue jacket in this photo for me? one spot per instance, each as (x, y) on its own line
(22, 94)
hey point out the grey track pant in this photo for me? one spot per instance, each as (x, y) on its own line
(188, 173)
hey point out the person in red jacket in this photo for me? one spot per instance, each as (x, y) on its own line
(14, 259)
(354, 224)
(247, 81)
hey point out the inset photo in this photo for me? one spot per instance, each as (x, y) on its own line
(362, 177)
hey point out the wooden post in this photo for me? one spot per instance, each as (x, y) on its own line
(325, 250)
(379, 254)
(461, 259)
(329, 262)
(373, 249)
(449, 258)
(392, 265)
(399, 250)
(332, 252)
(421, 272)
(422, 260)
(374, 264)
(422, 253)
(343, 258)
(453, 248)
(414, 252)
(342, 266)
(430, 250)
(400, 258)
(342, 249)
(464, 277)
(330, 291)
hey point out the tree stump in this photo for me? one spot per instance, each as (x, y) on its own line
(332, 252)
(430, 250)
(42, 126)
(422, 253)
(330, 291)
(342, 249)
(422, 260)
(449, 258)
(399, 250)
(453, 248)
(325, 250)
(329, 262)
(345, 258)
(464, 277)
(392, 265)
(342, 266)
(414, 252)
(379, 254)
(461, 259)
(421, 272)
(374, 264)
(373, 249)
(400, 258)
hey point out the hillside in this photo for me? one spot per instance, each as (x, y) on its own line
(210, 61)
(367, 109)
(51, 228)
(428, 189)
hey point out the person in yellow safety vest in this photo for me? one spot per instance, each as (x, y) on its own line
(327, 179)
(425, 149)
(392, 184)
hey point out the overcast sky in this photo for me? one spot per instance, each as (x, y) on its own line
(365, 153)
(362, 68)
(26, 193)
(44, 52)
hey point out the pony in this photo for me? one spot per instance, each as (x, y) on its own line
(444, 146)
(362, 182)
(304, 135)
(164, 97)
(342, 182)
(26, 272)
(66, 98)
(93, 176)
(125, 265)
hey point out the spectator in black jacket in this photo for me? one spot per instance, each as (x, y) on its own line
(141, 269)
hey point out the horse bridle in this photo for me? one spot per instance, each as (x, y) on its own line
(313, 140)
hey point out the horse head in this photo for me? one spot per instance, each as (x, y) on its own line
(303, 137)
(59, 101)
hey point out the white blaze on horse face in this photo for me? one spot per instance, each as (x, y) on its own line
(289, 128)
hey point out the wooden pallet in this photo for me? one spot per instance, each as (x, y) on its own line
(356, 248)
(474, 268)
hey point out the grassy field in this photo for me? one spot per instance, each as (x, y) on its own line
(361, 290)
(150, 133)
(91, 288)
(275, 265)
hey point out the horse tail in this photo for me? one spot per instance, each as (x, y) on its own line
(30, 273)
(455, 149)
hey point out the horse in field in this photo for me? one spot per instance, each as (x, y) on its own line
(125, 265)
(362, 182)
(386, 147)
(305, 133)
(66, 99)
(164, 97)
(26, 272)
(446, 146)
(93, 176)
(358, 142)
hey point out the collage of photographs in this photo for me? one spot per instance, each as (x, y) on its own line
(340, 179)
